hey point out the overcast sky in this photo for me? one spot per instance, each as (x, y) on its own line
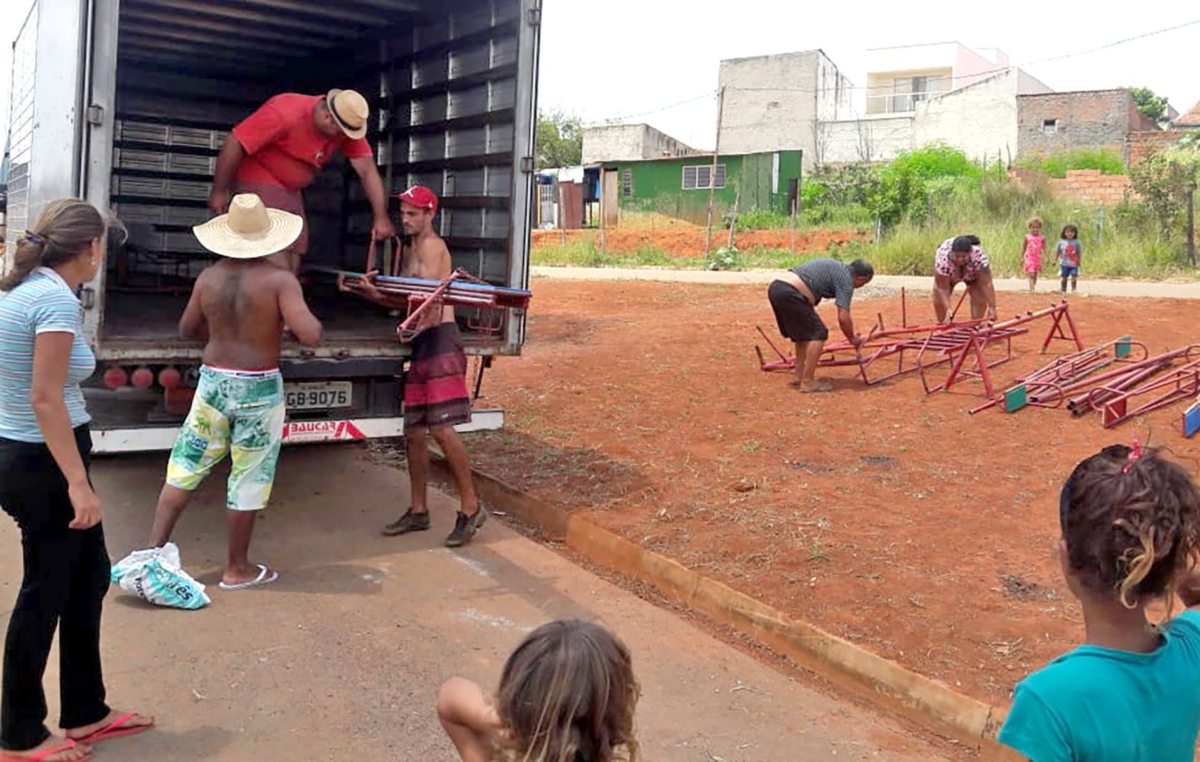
(607, 59)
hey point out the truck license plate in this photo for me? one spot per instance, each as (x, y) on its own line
(319, 396)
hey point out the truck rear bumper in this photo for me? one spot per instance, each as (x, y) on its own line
(161, 438)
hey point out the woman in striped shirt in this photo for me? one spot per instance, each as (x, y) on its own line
(44, 486)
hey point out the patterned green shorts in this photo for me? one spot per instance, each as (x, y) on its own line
(238, 413)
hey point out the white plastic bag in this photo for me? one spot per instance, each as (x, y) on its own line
(156, 575)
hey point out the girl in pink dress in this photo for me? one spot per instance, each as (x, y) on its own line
(1035, 243)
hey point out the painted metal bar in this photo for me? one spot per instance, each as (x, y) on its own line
(1180, 384)
(975, 343)
(1074, 330)
(1098, 396)
(961, 299)
(406, 330)
(1118, 381)
(465, 287)
(771, 344)
(1045, 386)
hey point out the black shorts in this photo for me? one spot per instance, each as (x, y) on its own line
(797, 318)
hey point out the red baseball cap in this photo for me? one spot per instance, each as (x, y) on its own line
(420, 197)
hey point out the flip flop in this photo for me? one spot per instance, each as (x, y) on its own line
(115, 729)
(265, 577)
(41, 756)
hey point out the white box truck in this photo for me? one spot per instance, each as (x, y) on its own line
(126, 103)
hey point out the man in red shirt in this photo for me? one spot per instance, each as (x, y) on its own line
(276, 151)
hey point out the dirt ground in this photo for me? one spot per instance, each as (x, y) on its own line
(684, 241)
(891, 518)
(341, 659)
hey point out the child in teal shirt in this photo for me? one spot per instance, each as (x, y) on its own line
(1131, 530)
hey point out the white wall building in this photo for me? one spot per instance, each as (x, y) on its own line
(776, 102)
(980, 120)
(898, 78)
(868, 139)
(630, 142)
(917, 95)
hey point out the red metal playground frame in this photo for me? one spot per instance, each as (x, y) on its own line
(1111, 378)
(925, 347)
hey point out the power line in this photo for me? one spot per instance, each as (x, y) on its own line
(981, 74)
(1115, 44)
(709, 94)
(978, 75)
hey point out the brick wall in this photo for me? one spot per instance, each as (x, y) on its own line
(1083, 186)
(1091, 119)
(1139, 143)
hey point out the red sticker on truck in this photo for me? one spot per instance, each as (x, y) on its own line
(321, 431)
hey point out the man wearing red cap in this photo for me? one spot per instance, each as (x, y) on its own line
(435, 387)
(276, 151)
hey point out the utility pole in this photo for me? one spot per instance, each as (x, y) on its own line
(1191, 225)
(712, 177)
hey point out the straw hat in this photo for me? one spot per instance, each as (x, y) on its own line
(350, 111)
(250, 230)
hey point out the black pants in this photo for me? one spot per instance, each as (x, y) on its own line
(66, 578)
(796, 316)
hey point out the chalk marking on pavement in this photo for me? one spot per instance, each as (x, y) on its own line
(472, 564)
(488, 619)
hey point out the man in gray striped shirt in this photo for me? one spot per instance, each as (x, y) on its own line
(794, 298)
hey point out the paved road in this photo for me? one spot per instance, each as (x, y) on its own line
(340, 659)
(1047, 285)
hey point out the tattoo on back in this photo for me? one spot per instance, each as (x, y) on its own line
(230, 290)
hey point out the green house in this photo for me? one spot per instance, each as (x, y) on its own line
(679, 187)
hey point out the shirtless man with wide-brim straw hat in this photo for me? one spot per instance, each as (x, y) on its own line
(239, 306)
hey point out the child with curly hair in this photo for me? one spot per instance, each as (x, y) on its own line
(567, 694)
(1130, 533)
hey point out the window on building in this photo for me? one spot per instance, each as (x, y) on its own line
(909, 91)
(701, 177)
(1049, 126)
(627, 182)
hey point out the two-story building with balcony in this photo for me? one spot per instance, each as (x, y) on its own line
(945, 92)
(898, 78)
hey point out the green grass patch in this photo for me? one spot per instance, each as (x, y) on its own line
(1111, 249)
(587, 254)
(1058, 164)
(923, 198)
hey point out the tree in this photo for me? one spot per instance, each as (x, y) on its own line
(896, 193)
(1149, 103)
(559, 140)
(1161, 181)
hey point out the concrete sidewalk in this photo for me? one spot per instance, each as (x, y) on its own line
(917, 284)
(340, 660)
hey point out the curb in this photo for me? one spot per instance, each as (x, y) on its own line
(879, 680)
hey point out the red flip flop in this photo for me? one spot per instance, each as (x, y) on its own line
(115, 729)
(41, 756)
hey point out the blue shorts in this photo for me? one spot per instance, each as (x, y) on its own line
(1068, 272)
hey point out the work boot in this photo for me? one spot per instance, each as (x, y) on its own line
(409, 522)
(465, 528)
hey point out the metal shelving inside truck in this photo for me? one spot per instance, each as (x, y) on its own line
(126, 102)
